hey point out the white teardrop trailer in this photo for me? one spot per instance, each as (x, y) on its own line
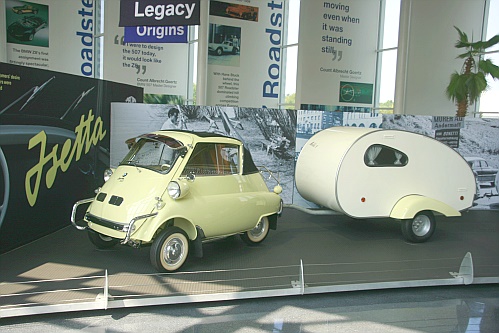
(371, 173)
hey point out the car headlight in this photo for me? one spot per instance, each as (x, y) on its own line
(177, 190)
(173, 190)
(107, 174)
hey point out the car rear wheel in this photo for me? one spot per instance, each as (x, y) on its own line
(101, 241)
(258, 233)
(169, 250)
(420, 228)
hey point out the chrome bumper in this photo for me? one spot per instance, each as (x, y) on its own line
(73, 213)
(128, 228)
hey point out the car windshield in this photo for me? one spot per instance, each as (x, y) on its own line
(29, 22)
(157, 153)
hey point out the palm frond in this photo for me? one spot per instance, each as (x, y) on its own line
(463, 39)
(456, 90)
(476, 84)
(491, 42)
(466, 87)
(488, 67)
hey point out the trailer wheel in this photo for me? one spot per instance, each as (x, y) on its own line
(169, 250)
(258, 233)
(101, 241)
(420, 228)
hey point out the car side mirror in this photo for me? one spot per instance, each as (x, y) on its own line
(190, 177)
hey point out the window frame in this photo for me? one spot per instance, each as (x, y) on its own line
(207, 160)
(384, 151)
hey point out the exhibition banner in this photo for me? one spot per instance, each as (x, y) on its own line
(269, 134)
(143, 34)
(156, 67)
(51, 34)
(244, 55)
(159, 12)
(337, 53)
(54, 147)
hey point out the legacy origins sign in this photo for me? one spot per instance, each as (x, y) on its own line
(159, 12)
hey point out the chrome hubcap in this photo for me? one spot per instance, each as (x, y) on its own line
(173, 251)
(421, 225)
(258, 230)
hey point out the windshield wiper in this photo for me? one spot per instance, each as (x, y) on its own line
(132, 162)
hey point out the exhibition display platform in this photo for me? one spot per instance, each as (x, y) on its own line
(306, 254)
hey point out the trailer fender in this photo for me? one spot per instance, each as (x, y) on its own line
(409, 206)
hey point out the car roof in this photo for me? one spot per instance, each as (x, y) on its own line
(472, 158)
(198, 136)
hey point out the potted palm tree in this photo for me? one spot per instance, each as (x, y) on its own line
(465, 87)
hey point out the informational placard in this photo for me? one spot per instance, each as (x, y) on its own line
(156, 67)
(448, 136)
(337, 53)
(446, 122)
(244, 53)
(50, 34)
(447, 129)
(144, 34)
(159, 12)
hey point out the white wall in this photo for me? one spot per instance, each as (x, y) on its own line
(427, 56)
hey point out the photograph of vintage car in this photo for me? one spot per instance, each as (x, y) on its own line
(26, 27)
(175, 190)
(485, 174)
(242, 12)
(226, 46)
(26, 9)
(234, 11)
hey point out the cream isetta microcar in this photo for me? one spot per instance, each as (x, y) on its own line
(175, 190)
(367, 173)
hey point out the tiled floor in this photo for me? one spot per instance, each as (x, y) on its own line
(335, 250)
(432, 309)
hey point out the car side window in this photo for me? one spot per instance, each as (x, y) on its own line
(213, 159)
(383, 156)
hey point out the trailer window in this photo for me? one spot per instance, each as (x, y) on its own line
(384, 156)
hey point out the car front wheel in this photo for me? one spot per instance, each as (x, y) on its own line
(420, 228)
(258, 233)
(101, 241)
(169, 250)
